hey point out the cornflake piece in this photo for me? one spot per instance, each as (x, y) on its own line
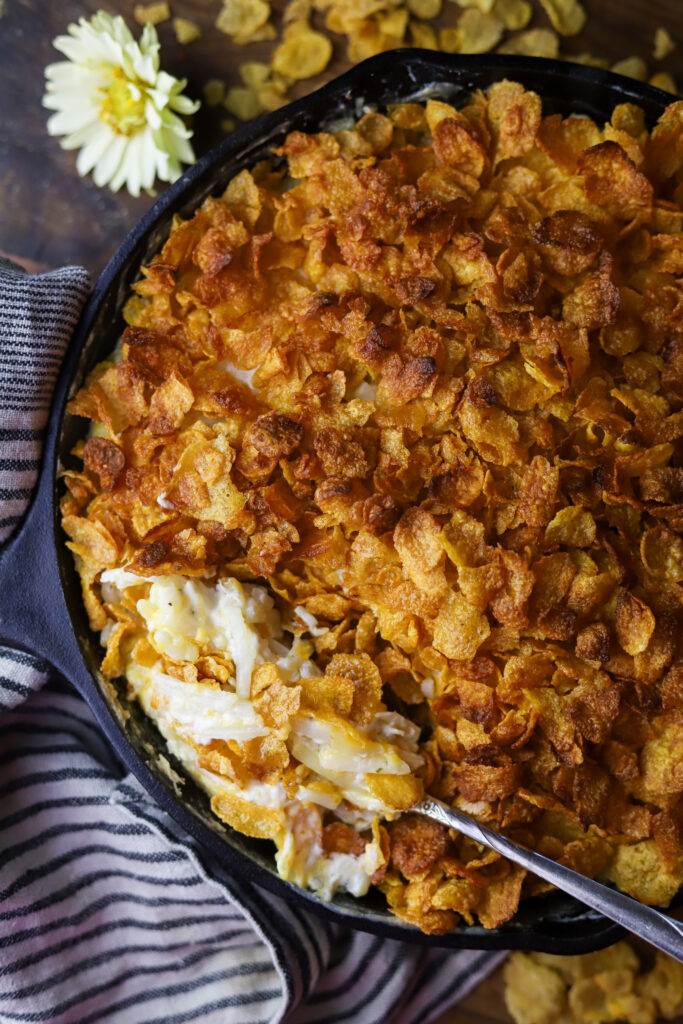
(152, 14)
(265, 34)
(254, 74)
(425, 8)
(478, 32)
(535, 42)
(619, 957)
(186, 31)
(423, 35)
(243, 103)
(589, 60)
(515, 14)
(272, 94)
(635, 623)
(534, 993)
(664, 985)
(663, 80)
(632, 67)
(242, 18)
(302, 54)
(566, 16)
(609, 997)
(297, 10)
(449, 40)
(485, 6)
(214, 92)
(663, 44)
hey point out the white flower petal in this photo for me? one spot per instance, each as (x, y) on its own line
(173, 124)
(144, 67)
(81, 137)
(95, 149)
(121, 176)
(152, 116)
(148, 167)
(65, 122)
(165, 82)
(184, 105)
(177, 148)
(149, 41)
(110, 161)
(158, 98)
(73, 49)
(64, 73)
(133, 164)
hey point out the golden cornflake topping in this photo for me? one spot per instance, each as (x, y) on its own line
(423, 377)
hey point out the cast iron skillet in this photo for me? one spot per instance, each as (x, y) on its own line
(40, 601)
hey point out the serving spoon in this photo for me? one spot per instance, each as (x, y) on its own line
(658, 929)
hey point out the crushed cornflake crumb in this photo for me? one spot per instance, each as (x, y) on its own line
(610, 985)
(214, 92)
(566, 16)
(663, 44)
(152, 14)
(663, 80)
(244, 20)
(186, 31)
(632, 67)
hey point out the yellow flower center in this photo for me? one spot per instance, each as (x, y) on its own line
(120, 109)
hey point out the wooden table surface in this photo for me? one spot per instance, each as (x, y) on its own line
(50, 216)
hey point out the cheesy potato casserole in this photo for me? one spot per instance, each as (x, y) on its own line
(383, 495)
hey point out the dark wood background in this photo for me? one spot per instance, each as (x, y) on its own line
(49, 216)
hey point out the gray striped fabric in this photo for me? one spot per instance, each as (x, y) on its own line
(108, 911)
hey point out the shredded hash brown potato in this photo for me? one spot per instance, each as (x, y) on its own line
(384, 494)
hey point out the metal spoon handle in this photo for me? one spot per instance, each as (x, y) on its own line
(656, 928)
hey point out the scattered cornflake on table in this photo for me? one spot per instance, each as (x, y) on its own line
(566, 16)
(243, 102)
(152, 14)
(297, 10)
(449, 40)
(485, 6)
(186, 31)
(423, 35)
(270, 89)
(663, 45)
(663, 80)
(244, 20)
(632, 67)
(228, 125)
(254, 73)
(590, 60)
(535, 42)
(606, 986)
(478, 32)
(515, 14)
(303, 52)
(265, 34)
(425, 9)
(214, 92)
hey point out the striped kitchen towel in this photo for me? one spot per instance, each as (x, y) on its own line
(109, 911)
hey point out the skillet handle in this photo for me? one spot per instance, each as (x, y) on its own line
(33, 612)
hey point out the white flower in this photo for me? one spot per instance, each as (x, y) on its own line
(116, 106)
